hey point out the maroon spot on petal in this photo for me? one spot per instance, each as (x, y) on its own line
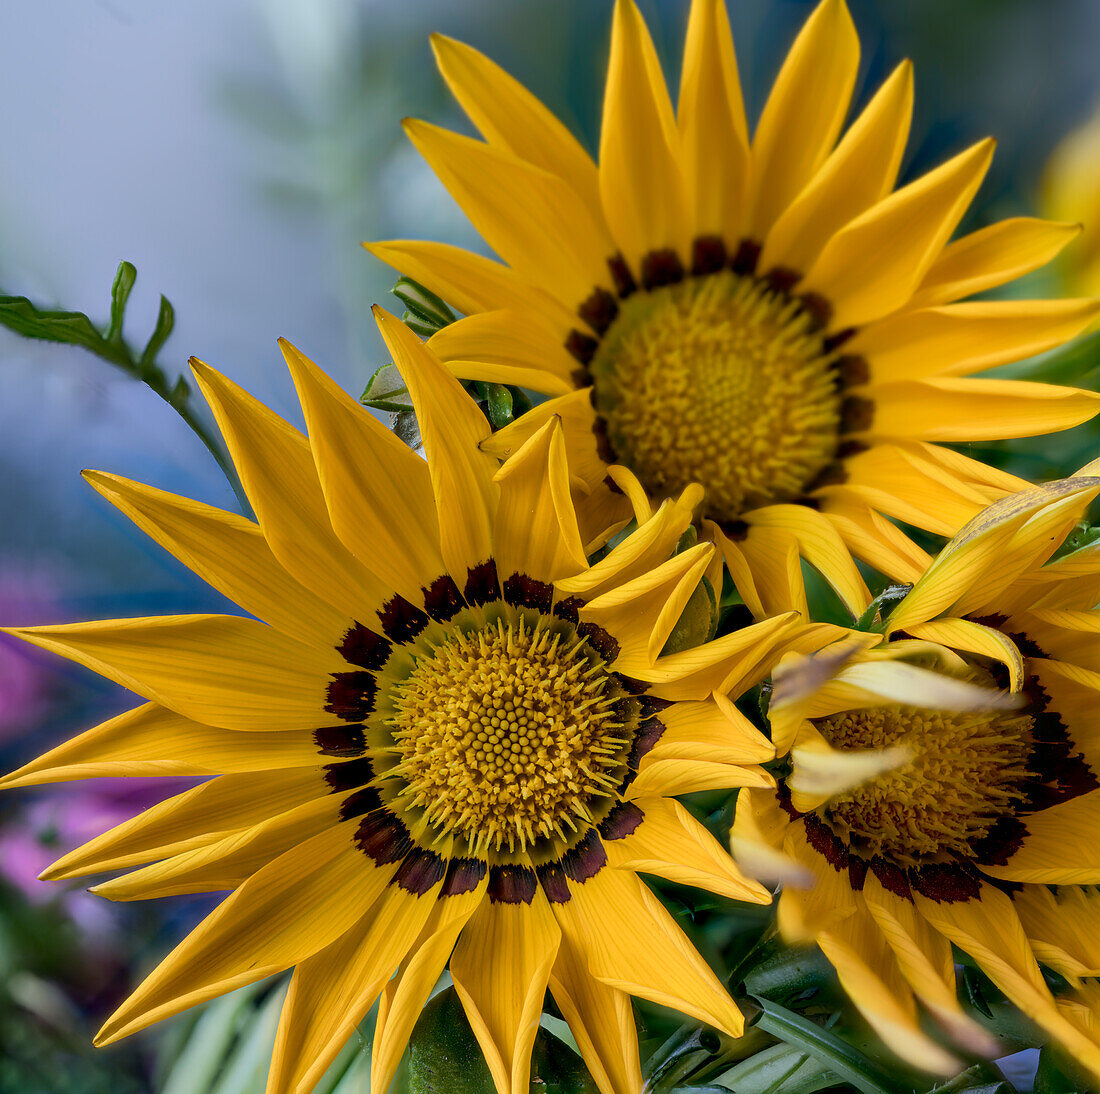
(628, 683)
(645, 737)
(822, 839)
(852, 370)
(351, 695)
(569, 608)
(621, 276)
(401, 621)
(361, 646)
(522, 591)
(817, 308)
(622, 821)
(661, 268)
(599, 640)
(847, 449)
(946, 883)
(585, 859)
(856, 414)
(708, 255)
(383, 837)
(1001, 842)
(745, 257)
(463, 876)
(346, 740)
(736, 530)
(582, 347)
(833, 342)
(857, 872)
(512, 884)
(347, 776)
(892, 878)
(442, 600)
(650, 705)
(552, 879)
(360, 803)
(420, 870)
(482, 586)
(782, 279)
(599, 310)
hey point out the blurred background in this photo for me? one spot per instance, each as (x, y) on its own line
(237, 151)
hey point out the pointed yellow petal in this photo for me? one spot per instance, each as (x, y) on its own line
(645, 953)
(503, 347)
(989, 930)
(501, 968)
(511, 118)
(859, 173)
(452, 428)
(669, 778)
(804, 112)
(670, 843)
(218, 669)
(196, 818)
(962, 634)
(228, 552)
(277, 469)
(378, 491)
(640, 182)
(227, 862)
(536, 526)
(739, 568)
(151, 740)
(771, 554)
(293, 908)
(472, 283)
(960, 339)
(713, 133)
(711, 729)
(405, 995)
(874, 539)
(1063, 927)
(952, 409)
(990, 257)
(534, 220)
(600, 1019)
(874, 264)
(331, 992)
(807, 911)
(1061, 847)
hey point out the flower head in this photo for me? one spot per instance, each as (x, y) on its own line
(444, 731)
(768, 317)
(926, 820)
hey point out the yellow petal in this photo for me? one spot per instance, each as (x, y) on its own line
(771, 553)
(218, 669)
(472, 283)
(279, 475)
(227, 862)
(711, 729)
(989, 930)
(962, 634)
(228, 552)
(504, 347)
(874, 539)
(150, 740)
(668, 778)
(990, 257)
(804, 112)
(331, 992)
(536, 526)
(378, 491)
(534, 220)
(952, 409)
(859, 173)
(821, 772)
(805, 912)
(874, 264)
(646, 954)
(293, 908)
(196, 818)
(713, 133)
(1061, 847)
(1063, 927)
(501, 968)
(511, 118)
(759, 826)
(452, 428)
(960, 339)
(670, 843)
(600, 1018)
(640, 182)
(405, 995)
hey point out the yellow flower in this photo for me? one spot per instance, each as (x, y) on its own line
(767, 317)
(443, 730)
(924, 821)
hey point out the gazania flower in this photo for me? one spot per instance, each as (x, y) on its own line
(767, 317)
(444, 731)
(923, 828)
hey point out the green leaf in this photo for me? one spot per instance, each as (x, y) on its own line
(386, 391)
(845, 1061)
(786, 972)
(444, 1054)
(424, 306)
(123, 285)
(71, 328)
(698, 622)
(778, 1068)
(980, 1079)
(1050, 1078)
(498, 405)
(166, 320)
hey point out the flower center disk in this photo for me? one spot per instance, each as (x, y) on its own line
(965, 771)
(507, 736)
(719, 380)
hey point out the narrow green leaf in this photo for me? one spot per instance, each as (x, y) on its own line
(784, 973)
(386, 391)
(166, 320)
(845, 1061)
(123, 285)
(778, 1068)
(71, 328)
(423, 304)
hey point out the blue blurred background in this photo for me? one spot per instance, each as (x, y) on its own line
(237, 151)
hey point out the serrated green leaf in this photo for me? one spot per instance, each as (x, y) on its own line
(123, 285)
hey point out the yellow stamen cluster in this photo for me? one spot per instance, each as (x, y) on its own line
(965, 772)
(722, 381)
(505, 734)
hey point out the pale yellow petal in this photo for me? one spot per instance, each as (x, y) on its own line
(1061, 846)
